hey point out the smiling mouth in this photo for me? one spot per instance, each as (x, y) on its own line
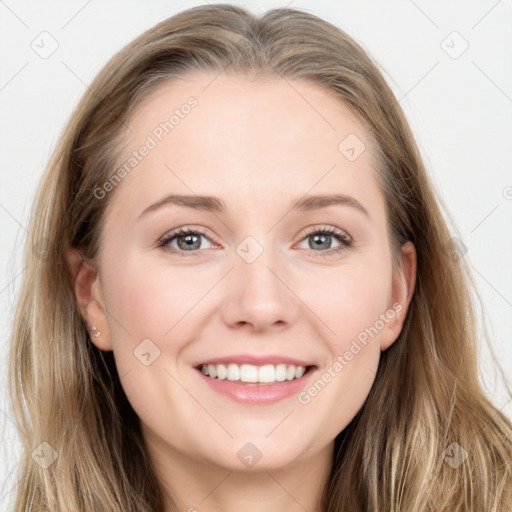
(248, 374)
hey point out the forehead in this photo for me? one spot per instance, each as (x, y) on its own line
(250, 139)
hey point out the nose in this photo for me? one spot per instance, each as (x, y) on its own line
(259, 295)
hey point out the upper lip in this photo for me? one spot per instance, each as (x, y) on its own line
(256, 360)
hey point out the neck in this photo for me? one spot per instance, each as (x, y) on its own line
(199, 486)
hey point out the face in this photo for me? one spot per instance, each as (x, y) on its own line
(284, 260)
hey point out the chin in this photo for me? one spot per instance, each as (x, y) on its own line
(256, 455)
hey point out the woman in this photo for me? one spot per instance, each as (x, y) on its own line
(314, 350)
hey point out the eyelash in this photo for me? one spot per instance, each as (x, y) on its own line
(345, 241)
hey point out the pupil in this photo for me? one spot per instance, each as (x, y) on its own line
(318, 238)
(188, 240)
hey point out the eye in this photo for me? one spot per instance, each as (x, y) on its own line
(187, 240)
(320, 241)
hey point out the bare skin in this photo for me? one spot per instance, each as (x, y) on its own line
(258, 145)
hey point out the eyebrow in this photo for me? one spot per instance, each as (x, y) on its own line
(216, 205)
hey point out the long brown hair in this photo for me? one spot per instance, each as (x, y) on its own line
(427, 402)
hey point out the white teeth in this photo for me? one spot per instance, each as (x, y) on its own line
(222, 371)
(251, 373)
(233, 372)
(212, 371)
(267, 373)
(299, 372)
(281, 372)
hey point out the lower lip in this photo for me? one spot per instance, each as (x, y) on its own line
(258, 394)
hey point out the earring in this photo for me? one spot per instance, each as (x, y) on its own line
(95, 332)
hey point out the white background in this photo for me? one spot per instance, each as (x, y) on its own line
(460, 110)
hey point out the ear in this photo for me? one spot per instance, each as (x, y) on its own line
(89, 298)
(404, 281)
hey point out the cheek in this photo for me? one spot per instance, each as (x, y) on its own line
(350, 304)
(149, 300)
(348, 300)
(149, 327)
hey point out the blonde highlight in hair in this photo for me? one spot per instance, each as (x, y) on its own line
(426, 395)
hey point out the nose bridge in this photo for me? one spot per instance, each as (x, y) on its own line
(256, 291)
